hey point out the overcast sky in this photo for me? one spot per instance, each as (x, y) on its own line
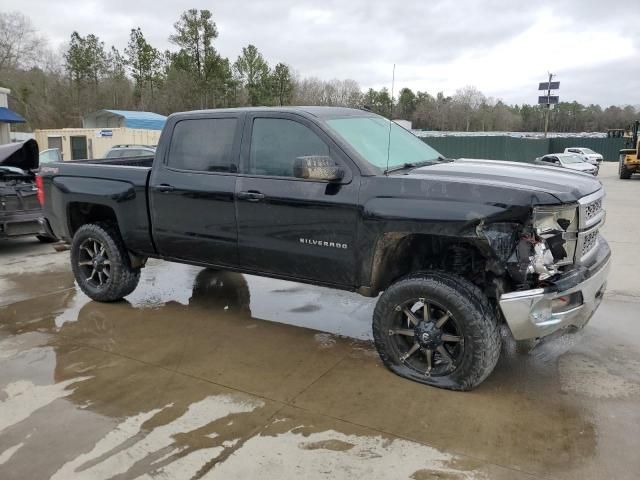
(503, 47)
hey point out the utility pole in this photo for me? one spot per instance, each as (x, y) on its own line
(546, 116)
(548, 99)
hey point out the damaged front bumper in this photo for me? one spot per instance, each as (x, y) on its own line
(571, 302)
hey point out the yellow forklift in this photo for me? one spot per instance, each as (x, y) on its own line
(629, 160)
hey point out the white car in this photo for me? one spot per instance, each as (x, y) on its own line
(589, 155)
(571, 161)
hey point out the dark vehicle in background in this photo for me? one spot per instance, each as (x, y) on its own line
(20, 211)
(571, 161)
(346, 199)
(128, 151)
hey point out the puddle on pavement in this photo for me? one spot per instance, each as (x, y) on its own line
(97, 362)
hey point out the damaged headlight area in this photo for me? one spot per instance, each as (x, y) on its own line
(546, 245)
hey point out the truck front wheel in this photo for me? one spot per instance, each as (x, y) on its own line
(101, 263)
(438, 329)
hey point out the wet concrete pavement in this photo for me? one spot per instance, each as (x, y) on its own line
(203, 374)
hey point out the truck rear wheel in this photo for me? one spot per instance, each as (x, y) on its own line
(101, 263)
(438, 329)
(623, 172)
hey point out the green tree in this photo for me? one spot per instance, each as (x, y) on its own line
(282, 84)
(195, 32)
(145, 64)
(407, 102)
(253, 72)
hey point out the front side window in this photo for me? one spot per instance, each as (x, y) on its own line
(203, 144)
(383, 143)
(277, 142)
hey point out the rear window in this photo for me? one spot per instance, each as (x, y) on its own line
(203, 144)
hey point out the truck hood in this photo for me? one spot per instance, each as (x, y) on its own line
(566, 185)
(22, 155)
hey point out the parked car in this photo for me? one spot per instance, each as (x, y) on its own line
(589, 155)
(572, 161)
(128, 151)
(20, 211)
(346, 199)
(49, 156)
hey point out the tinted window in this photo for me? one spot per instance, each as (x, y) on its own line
(114, 153)
(139, 153)
(203, 144)
(276, 143)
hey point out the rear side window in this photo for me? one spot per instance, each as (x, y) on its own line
(114, 154)
(277, 142)
(203, 144)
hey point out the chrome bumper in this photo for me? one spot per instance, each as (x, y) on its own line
(529, 313)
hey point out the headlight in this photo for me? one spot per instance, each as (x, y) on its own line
(557, 227)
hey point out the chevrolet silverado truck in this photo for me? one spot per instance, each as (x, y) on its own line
(345, 199)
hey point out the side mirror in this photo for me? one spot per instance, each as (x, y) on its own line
(317, 167)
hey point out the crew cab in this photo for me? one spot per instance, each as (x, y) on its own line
(346, 199)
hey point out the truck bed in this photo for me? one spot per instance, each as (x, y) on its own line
(119, 186)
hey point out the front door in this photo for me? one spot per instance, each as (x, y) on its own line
(289, 226)
(192, 190)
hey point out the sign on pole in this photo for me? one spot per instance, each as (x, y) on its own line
(548, 100)
(548, 85)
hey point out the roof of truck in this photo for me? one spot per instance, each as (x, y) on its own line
(316, 111)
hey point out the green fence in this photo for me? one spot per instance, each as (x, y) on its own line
(520, 149)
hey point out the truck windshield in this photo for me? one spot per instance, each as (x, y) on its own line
(369, 136)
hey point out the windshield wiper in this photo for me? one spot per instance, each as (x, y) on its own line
(404, 166)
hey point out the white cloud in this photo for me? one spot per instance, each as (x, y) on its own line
(504, 47)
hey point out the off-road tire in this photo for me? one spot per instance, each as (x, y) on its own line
(46, 239)
(623, 172)
(473, 312)
(123, 278)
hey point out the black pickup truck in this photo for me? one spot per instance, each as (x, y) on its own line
(346, 199)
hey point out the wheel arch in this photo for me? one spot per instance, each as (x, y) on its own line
(82, 213)
(397, 254)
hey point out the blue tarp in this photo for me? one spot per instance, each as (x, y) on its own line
(9, 116)
(146, 120)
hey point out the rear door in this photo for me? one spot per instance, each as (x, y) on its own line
(192, 190)
(289, 226)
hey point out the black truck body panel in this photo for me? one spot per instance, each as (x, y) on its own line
(329, 233)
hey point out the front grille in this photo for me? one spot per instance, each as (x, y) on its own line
(589, 242)
(592, 209)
